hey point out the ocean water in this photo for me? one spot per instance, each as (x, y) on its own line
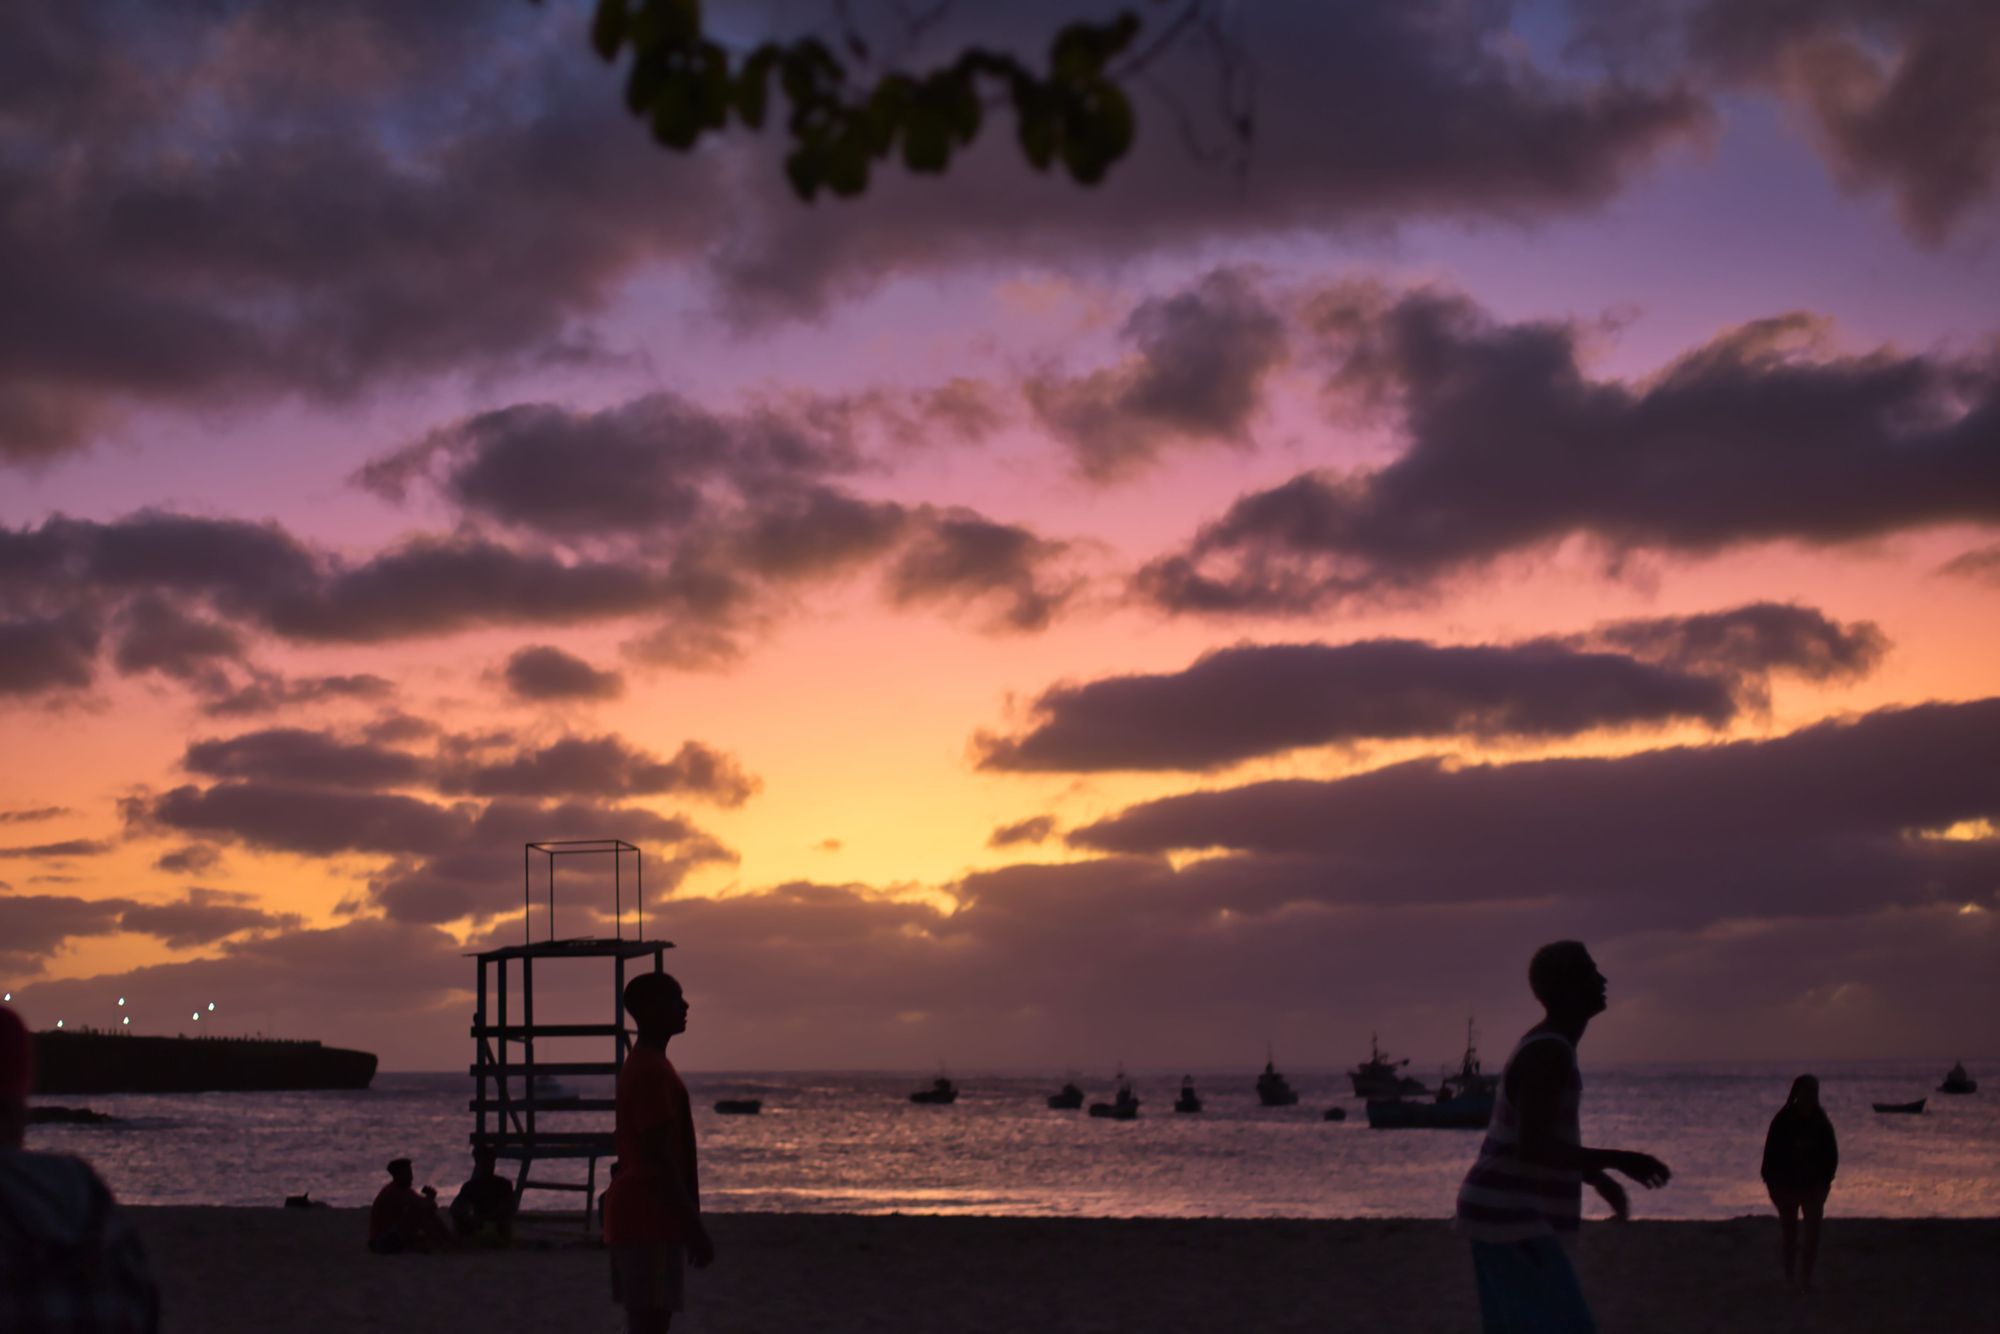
(854, 1143)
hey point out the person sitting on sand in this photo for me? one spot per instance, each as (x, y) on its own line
(402, 1220)
(1524, 1195)
(1800, 1159)
(70, 1260)
(483, 1210)
(652, 1208)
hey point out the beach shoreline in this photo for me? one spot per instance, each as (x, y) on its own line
(225, 1270)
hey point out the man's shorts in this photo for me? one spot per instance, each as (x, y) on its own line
(1529, 1287)
(648, 1277)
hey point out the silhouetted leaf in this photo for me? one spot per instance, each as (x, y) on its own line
(608, 28)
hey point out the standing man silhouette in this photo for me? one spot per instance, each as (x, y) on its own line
(652, 1209)
(1523, 1197)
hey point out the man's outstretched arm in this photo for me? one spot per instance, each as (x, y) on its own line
(1537, 1079)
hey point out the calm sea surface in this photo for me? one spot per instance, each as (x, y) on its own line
(853, 1143)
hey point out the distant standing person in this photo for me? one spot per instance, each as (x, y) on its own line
(1800, 1158)
(70, 1262)
(652, 1209)
(1523, 1197)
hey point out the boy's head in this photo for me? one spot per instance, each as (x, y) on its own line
(484, 1160)
(655, 1002)
(1565, 979)
(399, 1171)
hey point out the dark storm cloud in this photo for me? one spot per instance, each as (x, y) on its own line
(1749, 642)
(43, 654)
(69, 847)
(295, 755)
(603, 766)
(303, 819)
(651, 464)
(961, 557)
(437, 585)
(1237, 703)
(1199, 361)
(1981, 563)
(268, 692)
(242, 203)
(1829, 819)
(32, 814)
(544, 672)
(1903, 96)
(1034, 829)
(189, 859)
(213, 216)
(476, 874)
(818, 530)
(1759, 435)
(202, 917)
(35, 926)
(155, 636)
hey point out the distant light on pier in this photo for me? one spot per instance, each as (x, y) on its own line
(211, 1005)
(196, 1016)
(126, 1020)
(58, 1023)
(121, 1000)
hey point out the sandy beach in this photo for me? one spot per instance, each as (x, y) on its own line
(230, 1270)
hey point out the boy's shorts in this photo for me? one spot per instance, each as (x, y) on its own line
(1529, 1287)
(648, 1277)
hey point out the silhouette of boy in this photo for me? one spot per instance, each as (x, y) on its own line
(652, 1209)
(1523, 1197)
(483, 1209)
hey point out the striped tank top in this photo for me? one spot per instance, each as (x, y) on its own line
(1506, 1199)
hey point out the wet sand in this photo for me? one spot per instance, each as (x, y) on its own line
(229, 1270)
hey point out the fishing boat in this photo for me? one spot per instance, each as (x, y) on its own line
(1189, 1101)
(1336, 1114)
(1066, 1099)
(1124, 1105)
(740, 1106)
(1464, 1099)
(1272, 1088)
(1957, 1081)
(941, 1093)
(1380, 1077)
(1901, 1108)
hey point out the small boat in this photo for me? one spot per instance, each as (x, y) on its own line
(1336, 1113)
(1464, 1100)
(1189, 1101)
(1906, 1108)
(551, 1092)
(1957, 1081)
(1380, 1077)
(740, 1106)
(941, 1093)
(1272, 1088)
(1124, 1105)
(1066, 1099)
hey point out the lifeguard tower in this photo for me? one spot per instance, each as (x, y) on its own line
(519, 1113)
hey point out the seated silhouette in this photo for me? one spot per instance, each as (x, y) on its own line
(402, 1220)
(483, 1211)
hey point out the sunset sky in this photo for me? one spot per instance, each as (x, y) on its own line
(1546, 483)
